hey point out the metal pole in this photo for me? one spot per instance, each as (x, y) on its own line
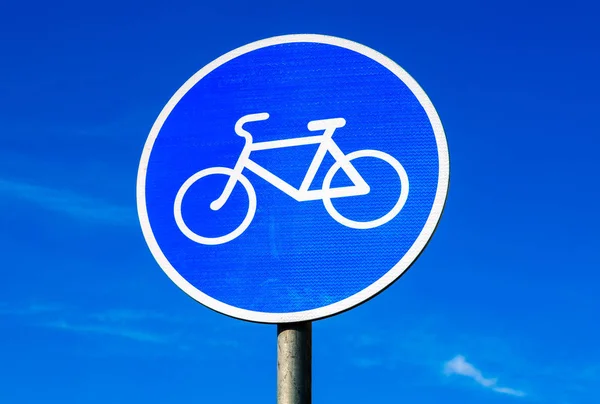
(294, 363)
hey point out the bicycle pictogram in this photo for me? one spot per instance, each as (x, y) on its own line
(303, 193)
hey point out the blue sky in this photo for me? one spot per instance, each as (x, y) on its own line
(502, 307)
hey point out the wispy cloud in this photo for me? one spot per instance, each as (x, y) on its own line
(70, 203)
(175, 333)
(424, 348)
(128, 315)
(129, 324)
(148, 327)
(29, 309)
(459, 366)
(115, 331)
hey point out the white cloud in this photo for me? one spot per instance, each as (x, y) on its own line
(459, 366)
(176, 333)
(508, 390)
(116, 331)
(128, 316)
(29, 310)
(68, 202)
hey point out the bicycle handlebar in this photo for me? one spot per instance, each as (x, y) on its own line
(240, 131)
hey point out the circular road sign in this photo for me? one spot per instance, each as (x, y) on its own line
(292, 179)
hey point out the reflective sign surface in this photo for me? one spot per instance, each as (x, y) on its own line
(292, 179)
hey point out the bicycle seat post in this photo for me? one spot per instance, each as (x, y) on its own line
(327, 125)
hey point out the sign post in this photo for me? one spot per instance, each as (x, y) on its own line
(290, 180)
(294, 363)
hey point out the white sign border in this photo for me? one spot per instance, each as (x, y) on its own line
(349, 302)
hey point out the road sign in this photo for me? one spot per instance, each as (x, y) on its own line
(292, 179)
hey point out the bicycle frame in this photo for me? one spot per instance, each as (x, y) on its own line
(301, 194)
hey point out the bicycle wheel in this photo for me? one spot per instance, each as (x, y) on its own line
(372, 223)
(229, 236)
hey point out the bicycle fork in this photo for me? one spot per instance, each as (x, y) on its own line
(239, 166)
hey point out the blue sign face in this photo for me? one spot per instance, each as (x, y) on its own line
(292, 179)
